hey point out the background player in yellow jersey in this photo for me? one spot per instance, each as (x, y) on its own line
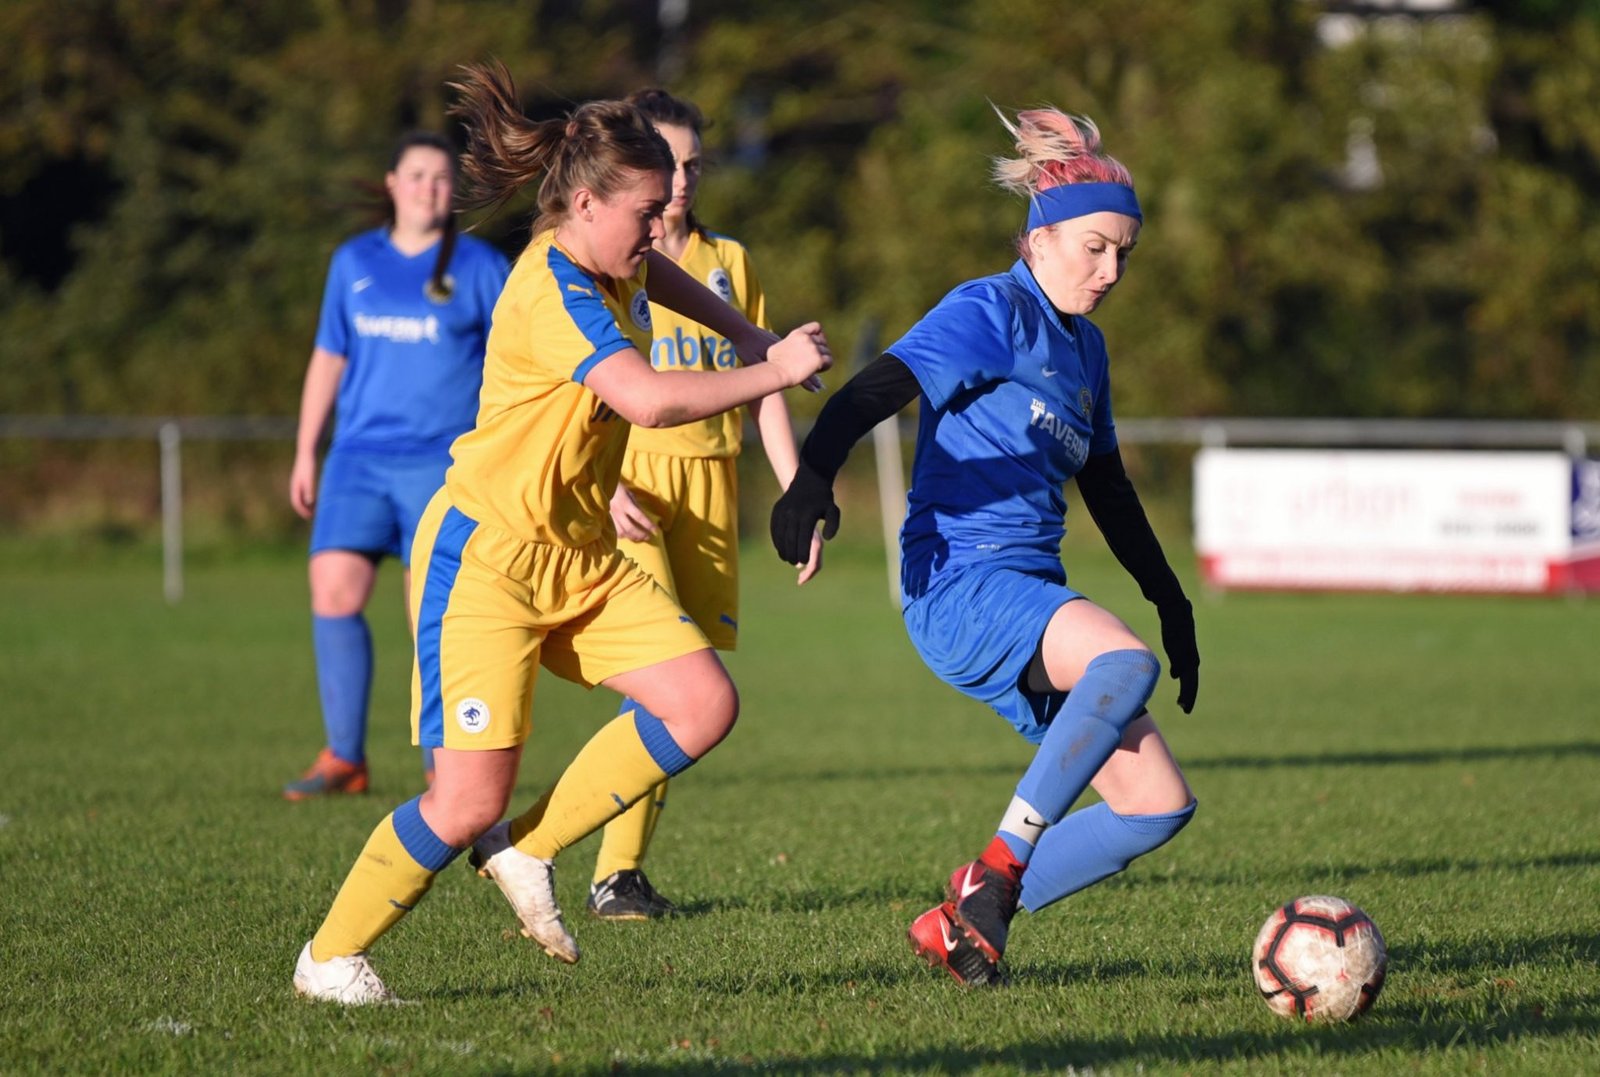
(516, 562)
(677, 507)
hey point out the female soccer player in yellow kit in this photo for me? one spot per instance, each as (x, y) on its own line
(516, 561)
(677, 507)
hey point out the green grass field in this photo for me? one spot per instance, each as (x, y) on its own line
(1436, 760)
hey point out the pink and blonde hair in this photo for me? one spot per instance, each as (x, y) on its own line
(1054, 148)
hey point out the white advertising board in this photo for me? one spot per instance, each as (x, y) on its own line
(1401, 521)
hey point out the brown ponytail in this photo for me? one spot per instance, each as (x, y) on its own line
(441, 286)
(601, 146)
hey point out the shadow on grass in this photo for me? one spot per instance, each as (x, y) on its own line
(1402, 1029)
(1417, 757)
(1490, 956)
(879, 892)
(1334, 875)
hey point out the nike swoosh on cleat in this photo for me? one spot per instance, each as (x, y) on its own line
(968, 888)
(944, 933)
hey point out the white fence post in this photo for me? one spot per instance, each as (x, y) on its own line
(172, 512)
(891, 496)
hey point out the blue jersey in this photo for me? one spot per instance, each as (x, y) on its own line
(414, 365)
(1015, 396)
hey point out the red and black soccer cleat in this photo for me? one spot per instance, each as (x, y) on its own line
(938, 940)
(983, 900)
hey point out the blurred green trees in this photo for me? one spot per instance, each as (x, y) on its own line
(1347, 212)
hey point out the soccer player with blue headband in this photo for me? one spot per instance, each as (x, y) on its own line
(1015, 399)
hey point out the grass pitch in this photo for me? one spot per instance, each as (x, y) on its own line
(1435, 760)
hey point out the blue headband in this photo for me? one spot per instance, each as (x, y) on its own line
(1079, 200)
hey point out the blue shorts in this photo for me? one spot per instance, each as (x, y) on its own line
(370, 503)
(979, 631)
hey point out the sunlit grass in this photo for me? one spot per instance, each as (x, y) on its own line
(1435, 760)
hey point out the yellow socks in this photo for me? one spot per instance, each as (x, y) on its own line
(628, 835)
(393, 872)
(627, 758)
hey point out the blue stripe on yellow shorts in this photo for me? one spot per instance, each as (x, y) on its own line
(443, 565)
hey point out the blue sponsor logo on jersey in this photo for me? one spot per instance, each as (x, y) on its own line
(689, 351)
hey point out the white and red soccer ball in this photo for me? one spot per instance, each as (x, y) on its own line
(1319, 959)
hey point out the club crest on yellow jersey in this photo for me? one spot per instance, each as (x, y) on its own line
(639, 310)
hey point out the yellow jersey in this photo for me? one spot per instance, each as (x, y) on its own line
(544, 456)
(722, 265)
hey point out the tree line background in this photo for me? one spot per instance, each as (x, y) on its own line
(1349, 211)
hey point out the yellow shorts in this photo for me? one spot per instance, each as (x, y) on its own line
(695, 554)
(491, 608)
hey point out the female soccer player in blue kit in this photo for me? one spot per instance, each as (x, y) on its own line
(517, 560)
(398, 361)
(1016, 399)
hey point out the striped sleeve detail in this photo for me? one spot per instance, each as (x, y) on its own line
(580, 298)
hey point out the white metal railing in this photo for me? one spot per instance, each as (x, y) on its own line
(170, 432)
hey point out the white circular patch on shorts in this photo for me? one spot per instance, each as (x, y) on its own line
(717, 280)
(639, 310)
(472, 715)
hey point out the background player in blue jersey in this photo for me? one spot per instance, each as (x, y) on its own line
(1015, 399)
(398, 361)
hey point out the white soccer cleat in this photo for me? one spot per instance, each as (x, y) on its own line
(530, 885)
(349, 981)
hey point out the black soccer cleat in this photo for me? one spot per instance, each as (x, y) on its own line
(627, 895)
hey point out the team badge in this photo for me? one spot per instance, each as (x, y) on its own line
(1085, 402)
(472, 715)
(717, 280)
(441, 292)
(639, 311)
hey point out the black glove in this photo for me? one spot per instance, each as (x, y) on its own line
(808, 500)
(1183, 653)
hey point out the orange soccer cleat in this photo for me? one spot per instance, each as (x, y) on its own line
(327, 776)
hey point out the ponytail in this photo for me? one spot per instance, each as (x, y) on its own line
(600, 146)
(441, 286)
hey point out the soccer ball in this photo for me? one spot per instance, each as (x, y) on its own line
(1320, 959)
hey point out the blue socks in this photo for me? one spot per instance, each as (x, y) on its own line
(1111, 693)
(425, 847)
(1090, 845)
(657, 741)
(343, 647)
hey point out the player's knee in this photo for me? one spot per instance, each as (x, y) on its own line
(459, 816)
(721, 711)
(1129, 676)
(708, 717)
(1148, 831)
(340, 585)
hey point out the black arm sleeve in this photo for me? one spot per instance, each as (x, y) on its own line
(1114, 505)
(879, 391)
